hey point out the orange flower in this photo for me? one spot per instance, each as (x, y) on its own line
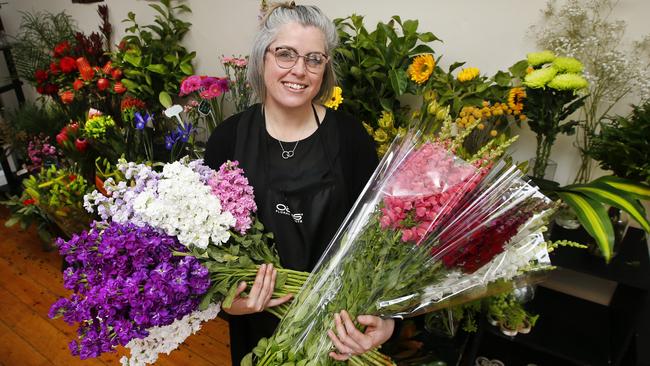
(421, 68)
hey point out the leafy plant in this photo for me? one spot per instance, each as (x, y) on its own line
(152, 58)
(588, 202)
(25, 212)
(38, 34)
(372, 66)
(622, 145)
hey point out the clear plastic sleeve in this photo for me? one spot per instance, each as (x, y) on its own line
(428, 231)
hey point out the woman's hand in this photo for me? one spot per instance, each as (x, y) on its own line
(259, 297)
(349, 341)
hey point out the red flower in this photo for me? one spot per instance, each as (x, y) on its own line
(61, 49)
(67, 96)
(29, 201)
(62, 137)
(54, 68)
(40, 76)
(78, 84)
(131, 102)
(72, 177)
(116, 74)
(72, 127)
(68, 65)
(103, 84)
(119, 88)
(81, 144)
(108, 68)
(40, 89)
(51, 89)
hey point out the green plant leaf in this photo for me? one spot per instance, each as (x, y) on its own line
(642, 191)
(12, 221)
(519, 69)
(594, 219)
(187, 68)
(398, 81)
(165, 99)
(132, 59)
(158, 68)
(455, 65)
(502, 78)
(614, 197)
(130, 84)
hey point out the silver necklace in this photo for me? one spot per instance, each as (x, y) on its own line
(288, 154)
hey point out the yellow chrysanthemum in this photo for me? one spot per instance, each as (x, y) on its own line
(336, 99)
(516, 99)
(421, 68)
(468, 74)
(380, 136)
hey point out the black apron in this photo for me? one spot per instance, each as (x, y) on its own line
(302, 200)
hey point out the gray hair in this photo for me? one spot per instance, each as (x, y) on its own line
(277, 16)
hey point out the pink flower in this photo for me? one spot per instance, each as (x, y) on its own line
(190, 84)
(235, 194)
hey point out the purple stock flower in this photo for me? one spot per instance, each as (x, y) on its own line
(125, 280)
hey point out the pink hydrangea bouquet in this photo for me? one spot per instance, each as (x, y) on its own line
(429, 227)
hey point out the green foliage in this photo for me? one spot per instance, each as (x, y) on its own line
(623, 146)
(589, 202)
(509, 312)
(152, 58)
(37, 36)
(372, 65)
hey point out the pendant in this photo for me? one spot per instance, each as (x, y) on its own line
(287, 155)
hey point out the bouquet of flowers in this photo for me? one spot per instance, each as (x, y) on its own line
(428, 228)
(211, 92)
(236, 72)
(171, 247)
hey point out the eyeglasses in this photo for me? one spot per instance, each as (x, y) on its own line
(287, 58)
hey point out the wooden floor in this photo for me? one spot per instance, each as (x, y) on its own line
(30, 281)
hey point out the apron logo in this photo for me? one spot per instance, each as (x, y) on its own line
(283, 209)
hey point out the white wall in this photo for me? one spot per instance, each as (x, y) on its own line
(490, 35)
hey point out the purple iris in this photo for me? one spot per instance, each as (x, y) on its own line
(182, 133)
(141, 121)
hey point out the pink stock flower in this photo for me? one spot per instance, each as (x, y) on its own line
(236, 195)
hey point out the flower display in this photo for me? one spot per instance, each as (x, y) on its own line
(336, 99)
(235, 194)
(421, 68)
(468, 74)
(240, 91)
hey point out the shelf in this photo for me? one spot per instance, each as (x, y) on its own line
(630, 267)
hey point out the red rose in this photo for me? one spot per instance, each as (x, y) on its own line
(68, 65)
(78, 84)
(40, 89)
(119, 88)
(67, 96)
(61, 49)
(81, 144)
(54, 68)
(40, 76)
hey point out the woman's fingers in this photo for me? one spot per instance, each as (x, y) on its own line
(344, 337)
(279, 301)
(257, 285)
(364, 341)
(344, 352)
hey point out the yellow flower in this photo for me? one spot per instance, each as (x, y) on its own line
(522, 117)
(380, 136)
(381, 150)
(368, 128)
(468, 74)
(540, 58)
(516, 99)
(480, 126)
(386, 120)
(336, 98)
(429, 95)
(493, 133)
(421, 68)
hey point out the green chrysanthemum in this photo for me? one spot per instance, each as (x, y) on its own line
(568, 64)
(96, 126)
(539, 78)
(540, 58)
(568, 82)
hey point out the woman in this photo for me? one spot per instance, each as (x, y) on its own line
(306, 164)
